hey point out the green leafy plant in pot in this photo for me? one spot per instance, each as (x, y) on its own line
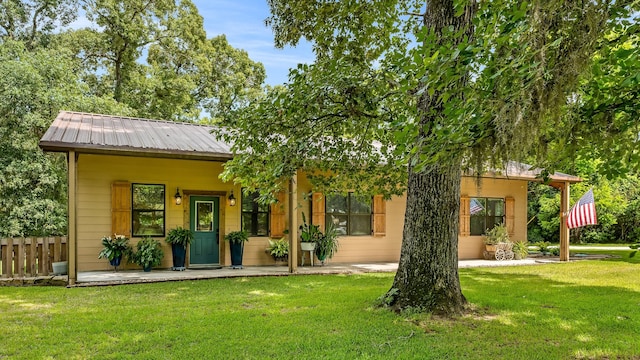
(521, 249)
(309, 235)
(179, 238)
(327, 245)
(114, 249)
(236, 241)
(148, 253)
(278, 249)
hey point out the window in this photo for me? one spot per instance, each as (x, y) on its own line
(486, 213)
(349, 215)
(255, 216)
(147, 210)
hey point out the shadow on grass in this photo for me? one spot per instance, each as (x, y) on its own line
(550, 318)
(627, 256)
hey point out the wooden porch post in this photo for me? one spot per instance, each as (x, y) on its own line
(293, 224)
(72, 230)
(564, 230)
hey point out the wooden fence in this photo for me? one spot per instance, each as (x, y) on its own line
(31, 257)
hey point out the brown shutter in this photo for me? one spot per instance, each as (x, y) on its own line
(509, 212)
(121, 208)
(277, 216)
(465, 216)
(317, 210)
(379, 216)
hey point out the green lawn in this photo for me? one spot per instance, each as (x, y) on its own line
(583, 310)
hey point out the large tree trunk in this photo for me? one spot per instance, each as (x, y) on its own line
(427, 276)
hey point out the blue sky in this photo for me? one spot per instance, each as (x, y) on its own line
(242, 21)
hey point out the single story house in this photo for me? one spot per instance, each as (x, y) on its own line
(141, 177)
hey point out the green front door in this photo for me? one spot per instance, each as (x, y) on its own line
(204, 224)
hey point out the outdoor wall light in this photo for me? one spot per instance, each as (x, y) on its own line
(178, 197)
(232, 199)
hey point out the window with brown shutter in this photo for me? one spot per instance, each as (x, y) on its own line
(255, 215)
(485, 214)
(148, 209)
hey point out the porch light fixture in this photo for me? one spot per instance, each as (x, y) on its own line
(232, 199)
(178, 197)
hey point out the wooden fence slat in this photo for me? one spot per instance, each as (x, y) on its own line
(33, 253)
(7, 262)
(63, 247)
(57, 248)
(45, 256)
(19, 259)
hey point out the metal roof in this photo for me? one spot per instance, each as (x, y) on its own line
(110, 134)
(119, 135)
(521, 171)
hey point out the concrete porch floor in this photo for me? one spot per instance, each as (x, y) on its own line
(103, 278)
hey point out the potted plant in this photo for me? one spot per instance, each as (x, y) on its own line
(309, 235)
(114, 248)
(179, 238)
(327, 244)
(520, 250)
(148, 253)
(236, 241)
(498, 234)
(278, 249)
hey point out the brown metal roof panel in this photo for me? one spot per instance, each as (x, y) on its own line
(54, 131)
(71, 128)
(202, 139)
(96, 132)
(108, 132)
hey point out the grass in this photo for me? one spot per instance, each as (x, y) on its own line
(578, 310)
(628, 256)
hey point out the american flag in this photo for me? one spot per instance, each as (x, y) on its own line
(476, 207)
(583, 212)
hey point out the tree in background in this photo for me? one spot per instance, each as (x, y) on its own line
(616, 205)
(601, 144)
(433, 87)
(34, 86)
(33, 21)
(100, 69)
(154, 57)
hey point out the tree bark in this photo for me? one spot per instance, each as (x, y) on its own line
(427, 276)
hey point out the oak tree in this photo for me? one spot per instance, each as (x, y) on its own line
(427, 89)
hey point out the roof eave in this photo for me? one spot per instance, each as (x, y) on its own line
(131, 151)
(554, 178)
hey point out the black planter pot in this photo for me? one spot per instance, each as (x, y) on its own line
(236, 254)
(115, 262)
(147, 268)
(179, 254)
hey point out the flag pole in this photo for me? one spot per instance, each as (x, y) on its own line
(564, 228)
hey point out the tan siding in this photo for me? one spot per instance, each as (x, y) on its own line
(362, 248)
(97, 172)
(470, 247)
